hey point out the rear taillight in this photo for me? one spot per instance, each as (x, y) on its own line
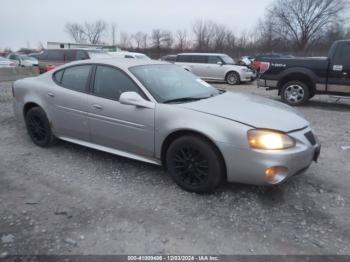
(264, 66)
(50, 67)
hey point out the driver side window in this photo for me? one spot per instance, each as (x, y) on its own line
(111, 83)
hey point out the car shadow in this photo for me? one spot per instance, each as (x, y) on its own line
(327, 105)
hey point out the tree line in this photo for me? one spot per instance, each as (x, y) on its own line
(300, 27)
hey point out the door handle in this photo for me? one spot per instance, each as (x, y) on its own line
(96, 106)
(51, 94)
(338, 68)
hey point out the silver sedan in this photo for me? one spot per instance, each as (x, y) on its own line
(159, 113)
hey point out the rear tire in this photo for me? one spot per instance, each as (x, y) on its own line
(295, 93)
(38, 127)
(233, 78)
(195, 164)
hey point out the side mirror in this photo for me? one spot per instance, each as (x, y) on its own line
(134, 99)
(219, 63)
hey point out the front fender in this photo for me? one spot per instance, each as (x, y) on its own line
(173, 118)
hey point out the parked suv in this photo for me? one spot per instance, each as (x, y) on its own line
(214, 67)
(55, 57)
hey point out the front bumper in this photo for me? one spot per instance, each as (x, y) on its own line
(246, 76)
(249, 166)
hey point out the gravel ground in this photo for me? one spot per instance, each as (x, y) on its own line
(72, 200)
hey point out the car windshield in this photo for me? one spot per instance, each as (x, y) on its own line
(228, 60)
(171, 83)
(27, 58)
(99, 54)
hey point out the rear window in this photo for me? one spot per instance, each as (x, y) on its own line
(76, 78)
(70, 55)
(81, 55)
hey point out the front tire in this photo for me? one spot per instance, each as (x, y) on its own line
(38, 127)
(233, 78)
(295, 93)
(195, 164)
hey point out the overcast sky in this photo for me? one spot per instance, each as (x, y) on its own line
(24, 22)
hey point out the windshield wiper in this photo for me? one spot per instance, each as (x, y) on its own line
(183, 99)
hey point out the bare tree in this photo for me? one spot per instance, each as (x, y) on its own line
(230, 41)
(113, 30)
(125, 40)
(144, 41)
(157, 38)
(138, 38)
(76, 32)
(181, 38)
(94, 31)
(219, 37)
(87, 32)
(167, 39)
(304, 21)
(203, 32)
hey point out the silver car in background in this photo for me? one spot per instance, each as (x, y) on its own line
(4, 62)
(159, 113)
(23, 60)
(215, 67)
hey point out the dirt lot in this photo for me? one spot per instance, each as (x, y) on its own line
(71, 200)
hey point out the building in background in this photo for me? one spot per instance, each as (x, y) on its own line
(59, 45)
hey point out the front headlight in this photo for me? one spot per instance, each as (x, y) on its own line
(269, 140)
(247, 70)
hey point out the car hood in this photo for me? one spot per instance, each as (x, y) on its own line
(251, 110)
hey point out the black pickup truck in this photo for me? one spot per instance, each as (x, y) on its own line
(299, 79)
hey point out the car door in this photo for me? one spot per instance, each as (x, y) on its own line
(214, 68)
(339, 72)
(122, 127)
(68, 97)
(54, 58)
(199, 66)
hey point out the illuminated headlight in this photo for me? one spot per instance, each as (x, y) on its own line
(269, 140)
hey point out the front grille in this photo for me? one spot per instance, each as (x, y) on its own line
(310, 136)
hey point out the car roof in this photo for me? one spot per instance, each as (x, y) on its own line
(120, 63)
(207, 54)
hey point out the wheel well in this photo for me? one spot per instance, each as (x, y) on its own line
(232, 71)
(173, 136)
(297, 77)
(29, 106)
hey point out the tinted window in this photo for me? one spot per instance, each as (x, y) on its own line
(81, 55)
(111, 83)
(213, 59)
(76, 77)
(70, 55)
(43, 56)
(56, 55)
(345, 55)
(58, 76)
(184, 59)
(200, 59)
